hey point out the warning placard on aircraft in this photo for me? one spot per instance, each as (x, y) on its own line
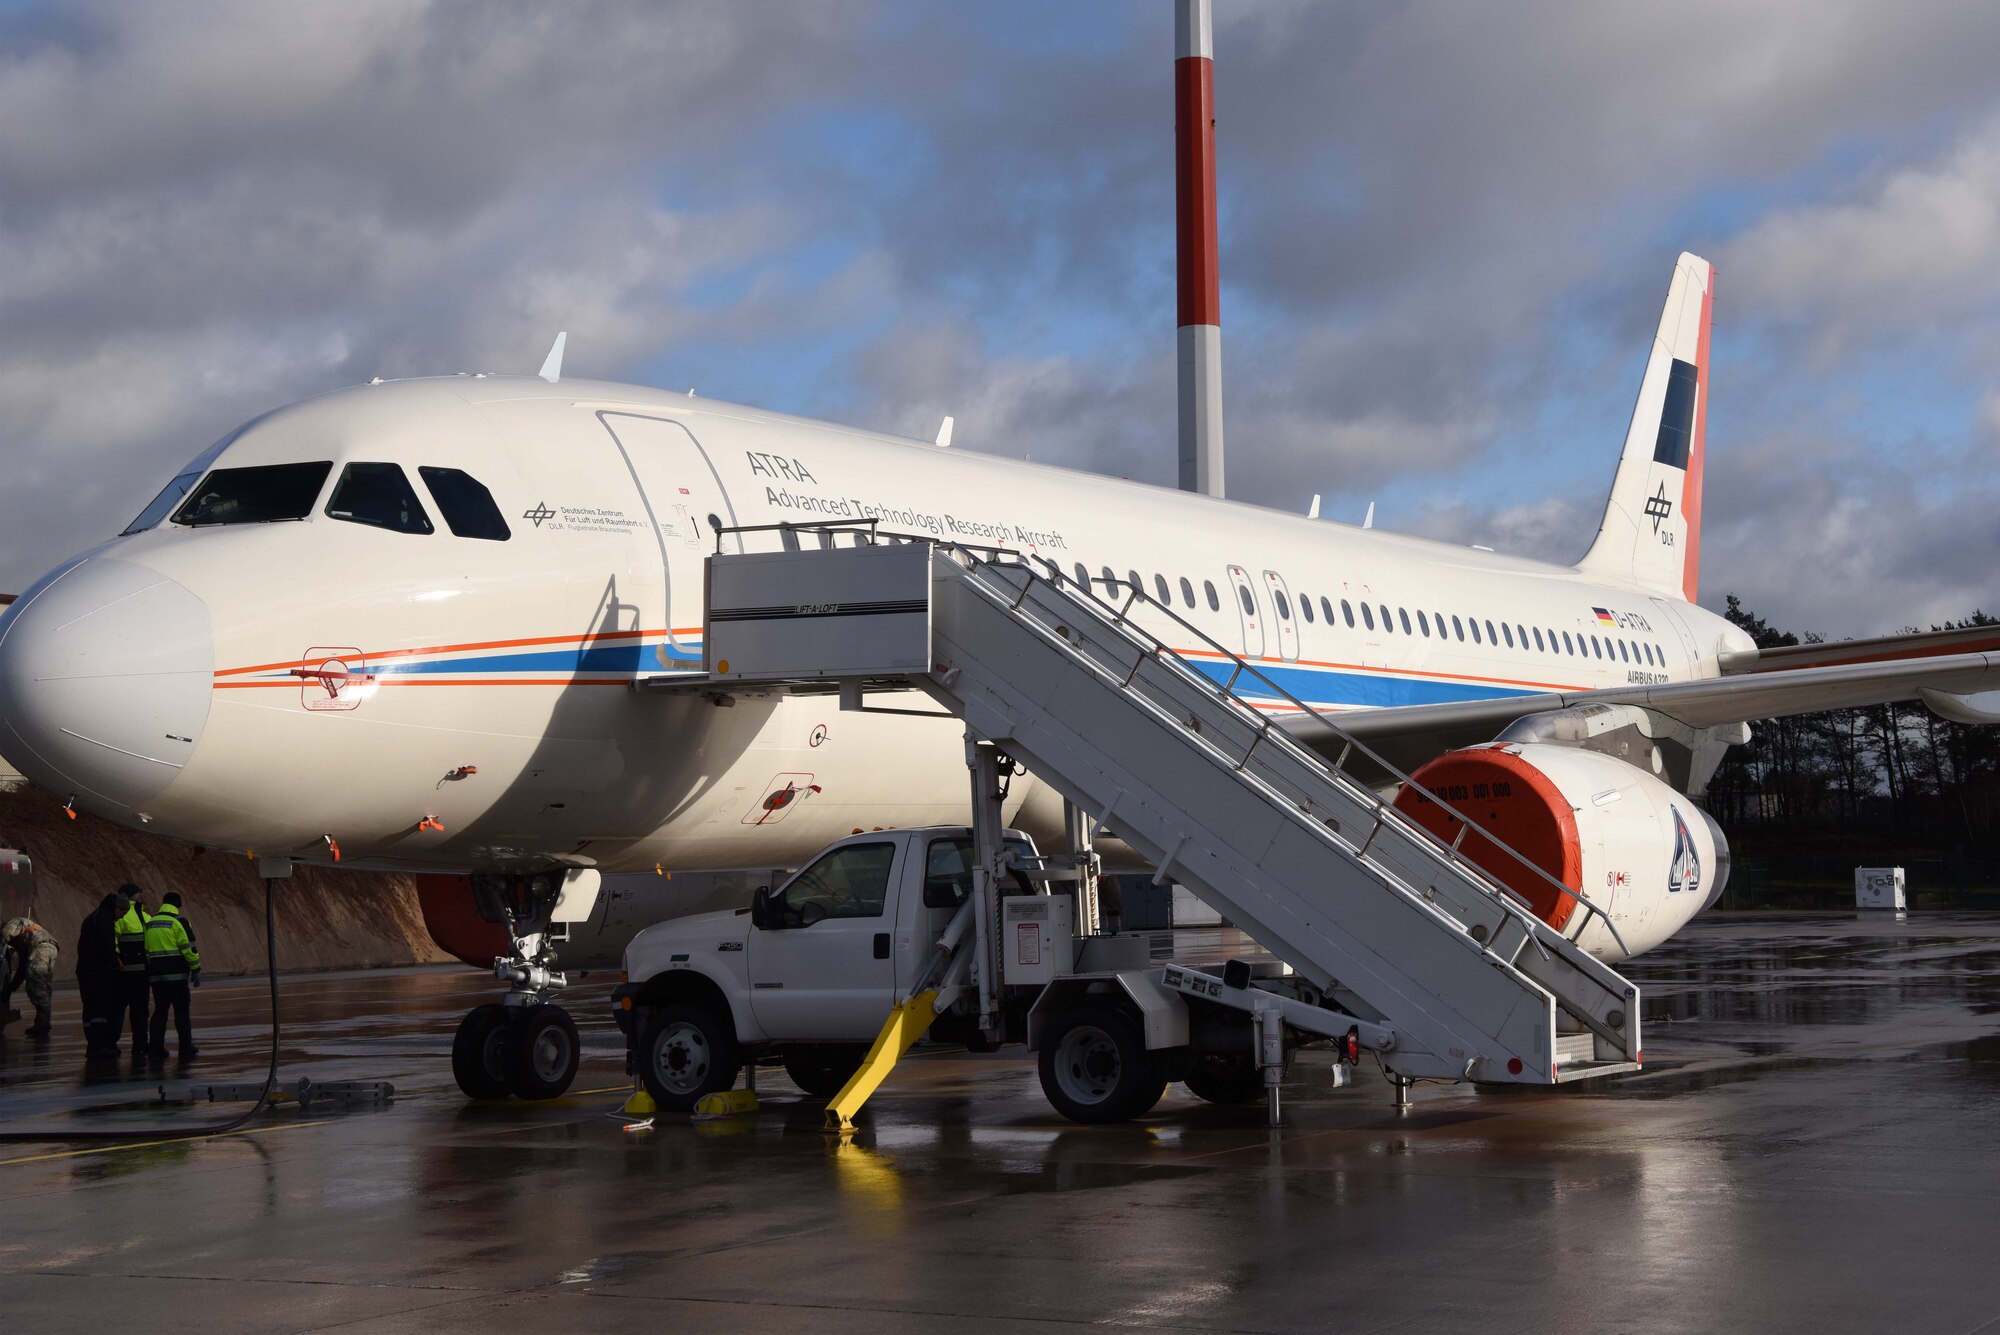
(848, 612)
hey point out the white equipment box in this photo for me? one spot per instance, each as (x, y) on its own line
(1037, 934)
(1879, 888)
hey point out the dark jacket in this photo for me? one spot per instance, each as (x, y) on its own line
(97, 941)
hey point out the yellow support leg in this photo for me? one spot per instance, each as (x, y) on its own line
(907, 1023)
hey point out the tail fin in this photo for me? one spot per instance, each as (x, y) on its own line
(1651, 534)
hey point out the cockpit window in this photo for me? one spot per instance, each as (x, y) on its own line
(468, 508)
(257, 495)
(379, 495)
(170, 496)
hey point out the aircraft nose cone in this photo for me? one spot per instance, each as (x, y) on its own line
(105, 677)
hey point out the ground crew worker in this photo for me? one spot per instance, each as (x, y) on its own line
(30, 956)
(133, 992)
(97, 974)
(172, 965)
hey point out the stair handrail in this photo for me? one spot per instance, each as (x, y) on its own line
(972, 555)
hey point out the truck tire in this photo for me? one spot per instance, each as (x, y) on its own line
(479, 1052)
(686, 1051)
(542, 1051)
(1223, 1080)
(1095, 1067)
(821, 1069)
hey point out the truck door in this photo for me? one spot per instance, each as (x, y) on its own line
(682, 495)
(1246, 605)
(828, 973)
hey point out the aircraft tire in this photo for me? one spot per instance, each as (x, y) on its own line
(1095, 1067)
(686, 1051)
(821, 1069)
(1218, 1080)
(478, 1052)
(541, 1053)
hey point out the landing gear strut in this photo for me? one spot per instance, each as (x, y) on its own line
(524, 1044)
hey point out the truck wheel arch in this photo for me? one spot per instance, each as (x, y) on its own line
(686, 987)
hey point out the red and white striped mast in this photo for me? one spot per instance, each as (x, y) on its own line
(1200, 336)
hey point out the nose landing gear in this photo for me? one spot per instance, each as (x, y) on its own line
(524, 1044)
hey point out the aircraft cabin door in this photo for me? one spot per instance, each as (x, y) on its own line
(1281, 606)
(684, 500)
(1681, 631)
(1246, 605)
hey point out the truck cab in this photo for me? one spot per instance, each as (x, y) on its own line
(807, 971)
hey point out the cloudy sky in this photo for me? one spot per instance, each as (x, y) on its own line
(1446, 233)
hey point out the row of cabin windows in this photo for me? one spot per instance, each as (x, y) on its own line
(1512, 635)
(376, 494)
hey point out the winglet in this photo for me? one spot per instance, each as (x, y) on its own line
(552, 365)
(1368, 520)
(1312, 511)
(944, 434)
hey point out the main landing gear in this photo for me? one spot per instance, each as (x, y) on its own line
(524, 1044)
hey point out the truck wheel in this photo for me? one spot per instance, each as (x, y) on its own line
(821, 1069)
(1221, 1080)
(479, 1052)
(686, 1051)
(541, 1053)
(1095, 1067)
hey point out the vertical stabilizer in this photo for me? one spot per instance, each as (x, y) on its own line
(1651, 534)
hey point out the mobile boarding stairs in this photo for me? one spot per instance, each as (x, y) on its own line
(1417, 952)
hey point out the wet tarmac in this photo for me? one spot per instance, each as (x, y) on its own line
(1814, 1145)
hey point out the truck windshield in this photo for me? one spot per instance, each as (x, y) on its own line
(260, 494)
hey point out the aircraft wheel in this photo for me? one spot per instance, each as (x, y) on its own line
(1220, 1080)
(1095, 1067)
(687, 1051)
(542, 1051)
(478, 1052)
(821, 1069)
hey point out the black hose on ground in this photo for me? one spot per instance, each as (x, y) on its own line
(148, 1136)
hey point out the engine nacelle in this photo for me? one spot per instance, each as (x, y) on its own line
(1644, 854)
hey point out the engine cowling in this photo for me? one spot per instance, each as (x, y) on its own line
(1643, 853)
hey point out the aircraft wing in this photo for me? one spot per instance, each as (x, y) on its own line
(1964, 687)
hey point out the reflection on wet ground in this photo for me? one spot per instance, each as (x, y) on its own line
(1811, 1145)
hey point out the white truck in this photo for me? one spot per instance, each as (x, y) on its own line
(810, 971)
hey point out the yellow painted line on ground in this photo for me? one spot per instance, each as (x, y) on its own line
(150, 1144)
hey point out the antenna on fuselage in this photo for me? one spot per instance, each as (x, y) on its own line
(1368, 520)
(1312, 511)
(944, 434)
(552, 364)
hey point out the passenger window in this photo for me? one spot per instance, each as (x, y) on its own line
(1082, 577)
(1404, 614)
(1306, 607)
(257, 495)
(1326, 610)
(1110, 581)
(1491, 638)
(1568, 647)
(1508, 631)
(1367, 615)
(1249, 603)
(1621, 652)
(850, 882)
(1160, 587)
(1538, 641)
(1138, 585)
(1458, 629)
(1187, 592)
(467, 507)
(1521, 633)
(1475, 631)
(1214, 602)
(1423, 623)
(1278, 597)
(380, 496)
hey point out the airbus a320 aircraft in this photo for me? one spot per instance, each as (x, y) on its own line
(400, 625)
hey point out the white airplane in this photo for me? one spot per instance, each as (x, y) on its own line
(400, 625)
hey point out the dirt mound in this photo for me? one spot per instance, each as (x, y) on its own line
(326, 919)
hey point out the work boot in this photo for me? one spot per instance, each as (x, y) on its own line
(39, 1031)
(190, 1052)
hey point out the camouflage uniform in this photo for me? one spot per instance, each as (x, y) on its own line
(32, 948)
